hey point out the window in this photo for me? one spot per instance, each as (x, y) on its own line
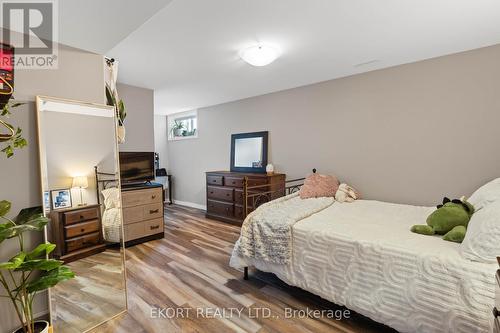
(183, 125)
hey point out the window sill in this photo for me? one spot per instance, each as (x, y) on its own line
(179, 138)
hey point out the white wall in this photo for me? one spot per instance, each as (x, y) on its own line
(161, 137)
(410, 134)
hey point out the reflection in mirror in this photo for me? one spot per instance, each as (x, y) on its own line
(82, 198)
(249, 152)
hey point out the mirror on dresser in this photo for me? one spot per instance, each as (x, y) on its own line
(81, 193)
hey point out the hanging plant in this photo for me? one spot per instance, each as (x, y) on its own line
(11, 138)
(111, 100)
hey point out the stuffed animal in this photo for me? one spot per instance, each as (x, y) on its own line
(345, 193)
(450, 219)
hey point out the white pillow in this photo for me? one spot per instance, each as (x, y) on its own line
(486, 194)
(111, 198)
(482, 240)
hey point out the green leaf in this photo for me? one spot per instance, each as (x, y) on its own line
(28, 214)
(17, 104)
(14, 262)
(35, 224)
(50, 279)
(4, 227)
(9, 151)
(4, 207)
(39, 264)
(41, 250)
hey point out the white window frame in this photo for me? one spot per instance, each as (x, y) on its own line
(181, 116)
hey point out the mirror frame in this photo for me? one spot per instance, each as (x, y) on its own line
(38, 106)
(264, 135)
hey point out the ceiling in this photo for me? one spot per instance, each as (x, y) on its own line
(187, 50)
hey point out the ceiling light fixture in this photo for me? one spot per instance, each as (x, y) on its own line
(259, 55)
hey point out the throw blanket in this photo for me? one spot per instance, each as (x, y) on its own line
(266, 233)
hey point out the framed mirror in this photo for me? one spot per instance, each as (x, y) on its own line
(249, 152)
(81, 191)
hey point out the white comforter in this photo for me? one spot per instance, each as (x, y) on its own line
(363, 255)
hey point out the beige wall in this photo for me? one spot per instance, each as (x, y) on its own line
(161, 137)
(408, 134)
(140, 118)
(80, 76)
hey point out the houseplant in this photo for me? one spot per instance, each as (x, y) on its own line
(121, 114)
(177, 128)
(10, 138)
(29, 271)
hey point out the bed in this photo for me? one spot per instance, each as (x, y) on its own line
(362, 255)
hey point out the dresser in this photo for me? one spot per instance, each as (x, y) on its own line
(76, 232)
(142, 213)
(226, 193)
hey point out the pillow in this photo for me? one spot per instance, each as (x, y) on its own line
(317, 185)
(486, 194)
(111, 198)
(482, 240)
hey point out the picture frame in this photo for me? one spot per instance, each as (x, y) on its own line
(61, 198)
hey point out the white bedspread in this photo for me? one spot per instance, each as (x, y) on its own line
(363, 255)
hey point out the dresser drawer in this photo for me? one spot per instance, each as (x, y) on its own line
(74, 230)
(142, 197)
(233, 181)
(239, 212)
(256, 182)
(141, 213)
(153, 226)
(215, 180)
(82, 242)
(81, 215)
(220, 193)
(220, 208)
(238, 196)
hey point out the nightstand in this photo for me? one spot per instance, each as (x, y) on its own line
(76, 232)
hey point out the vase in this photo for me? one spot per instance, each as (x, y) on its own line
(41, 326)
(270, 169)
(120, 133)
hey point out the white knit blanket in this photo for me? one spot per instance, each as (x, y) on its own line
(266, 233)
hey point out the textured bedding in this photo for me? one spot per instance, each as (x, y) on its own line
(266, 233)
(363, 256)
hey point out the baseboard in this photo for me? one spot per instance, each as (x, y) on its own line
(190, 204)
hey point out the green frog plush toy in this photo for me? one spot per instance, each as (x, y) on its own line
(450, 219)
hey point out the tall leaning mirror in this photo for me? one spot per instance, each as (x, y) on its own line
(81, 190)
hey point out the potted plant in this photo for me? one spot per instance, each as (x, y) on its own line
(121, 114)
(10, 137)
(177, 128)
(29, 271)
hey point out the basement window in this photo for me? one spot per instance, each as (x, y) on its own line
(183, 125)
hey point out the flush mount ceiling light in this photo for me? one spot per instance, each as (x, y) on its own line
(259, 55)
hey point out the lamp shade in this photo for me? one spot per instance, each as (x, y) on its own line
(80, 182)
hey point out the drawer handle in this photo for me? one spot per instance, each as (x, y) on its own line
(82, 230)
(153, 197)
(154, 211)
(214, 181)
(227, 194)
(496, 313)
(211, 192)
(227, 209)
(153, 227)
(81, 217)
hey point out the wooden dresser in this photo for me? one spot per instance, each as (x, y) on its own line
(225, 193)
(76, 232)
(142, 213)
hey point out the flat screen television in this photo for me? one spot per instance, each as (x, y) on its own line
(137, 167)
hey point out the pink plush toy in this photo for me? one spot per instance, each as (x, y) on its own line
(345, 193)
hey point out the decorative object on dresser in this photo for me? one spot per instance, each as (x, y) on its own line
(142, 213)
(76, 232)
(80, 182)
(226, 198)
(249, 152)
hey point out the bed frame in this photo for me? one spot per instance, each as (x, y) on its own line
(104, 180)
(254, 196)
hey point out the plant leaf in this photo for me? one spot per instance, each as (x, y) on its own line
(14, 262)
(4, 207)
(39, 264)
(17, 104)
(50, 279)
(4, 227)
(28, 214)
(35, 224)
(41, 250)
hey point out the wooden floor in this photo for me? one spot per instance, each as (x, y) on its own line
(96, 293)
(188, 270)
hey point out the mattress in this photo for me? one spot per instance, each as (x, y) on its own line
(362, 255)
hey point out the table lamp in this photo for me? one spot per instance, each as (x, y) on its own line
(80, 182)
